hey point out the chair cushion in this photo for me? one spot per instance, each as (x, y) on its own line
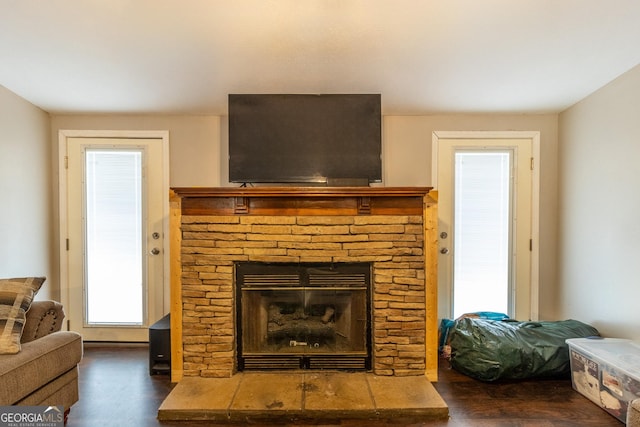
(16, 296)
(39, 362)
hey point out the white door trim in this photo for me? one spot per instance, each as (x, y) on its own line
(534, 136)
(63, 187)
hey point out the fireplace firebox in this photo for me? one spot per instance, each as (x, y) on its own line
(303, 316)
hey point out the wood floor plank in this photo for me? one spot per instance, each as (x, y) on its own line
(117, 390)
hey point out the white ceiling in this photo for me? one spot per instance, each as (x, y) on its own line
(423, 56)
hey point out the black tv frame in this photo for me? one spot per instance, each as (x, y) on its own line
(330, 139)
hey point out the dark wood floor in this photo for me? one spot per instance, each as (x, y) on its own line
(117, 390)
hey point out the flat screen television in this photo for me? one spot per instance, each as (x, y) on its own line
(294, 138)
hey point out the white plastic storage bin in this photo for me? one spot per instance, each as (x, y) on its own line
(606, 371)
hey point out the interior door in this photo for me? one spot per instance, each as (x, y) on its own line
(115, 237)
(485, 217)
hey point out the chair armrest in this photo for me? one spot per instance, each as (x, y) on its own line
(43, 318)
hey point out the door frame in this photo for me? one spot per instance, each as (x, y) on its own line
(534, 136)
(63, 186)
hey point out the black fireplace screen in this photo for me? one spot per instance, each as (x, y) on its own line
(313, 316)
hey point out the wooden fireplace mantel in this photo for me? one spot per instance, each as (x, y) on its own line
(300, 191)
(302, 200)
(305, 201)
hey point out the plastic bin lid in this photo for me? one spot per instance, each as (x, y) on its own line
(624, 354)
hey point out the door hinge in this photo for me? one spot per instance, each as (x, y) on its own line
(67, 243)
(530, 245)
(66, 162)
(532, 163)
(68, 325)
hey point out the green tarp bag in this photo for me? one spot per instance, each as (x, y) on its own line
(491, 350)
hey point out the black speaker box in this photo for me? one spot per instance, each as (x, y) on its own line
(160, 346)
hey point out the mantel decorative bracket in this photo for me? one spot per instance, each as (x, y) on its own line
(364, 205)
(241, 205)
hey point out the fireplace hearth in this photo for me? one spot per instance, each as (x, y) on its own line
(303, 316)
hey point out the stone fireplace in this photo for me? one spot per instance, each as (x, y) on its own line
(387, 326)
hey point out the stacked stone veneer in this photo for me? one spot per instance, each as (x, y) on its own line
(393, 244)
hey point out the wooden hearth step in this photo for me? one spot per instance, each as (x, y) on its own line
(296, 397)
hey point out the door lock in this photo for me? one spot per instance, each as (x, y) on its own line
(155, 251)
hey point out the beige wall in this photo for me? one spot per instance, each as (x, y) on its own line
(26, 226)
(407, 162)
(194, 141)
(599, 239)
(194, 149)
(199, 147)
(589, 225)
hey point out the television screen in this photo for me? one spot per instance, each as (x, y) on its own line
(305, 138)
